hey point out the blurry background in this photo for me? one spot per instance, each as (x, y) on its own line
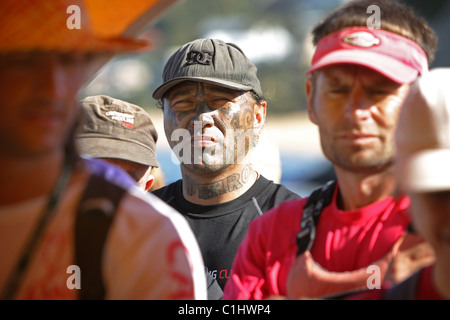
(274, 34)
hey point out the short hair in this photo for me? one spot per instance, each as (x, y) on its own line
(395, 17)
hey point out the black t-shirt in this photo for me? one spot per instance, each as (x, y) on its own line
(220, 228)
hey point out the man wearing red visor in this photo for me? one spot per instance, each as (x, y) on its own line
(352, 234)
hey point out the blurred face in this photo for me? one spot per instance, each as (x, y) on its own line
(356, 110)
(431, 217)
(38, 100)
(210, 127)
(140, 173)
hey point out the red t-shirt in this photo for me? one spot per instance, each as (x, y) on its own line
(345, 241)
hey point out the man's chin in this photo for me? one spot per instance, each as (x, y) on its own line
(205, 168)
(367, 167)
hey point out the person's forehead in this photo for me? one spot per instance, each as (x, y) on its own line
(191, 87)
(138, 169)
(347, 71)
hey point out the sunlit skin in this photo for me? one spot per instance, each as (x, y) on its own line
(431, 219)
(356, 110)
(38, 95)
(213, 116)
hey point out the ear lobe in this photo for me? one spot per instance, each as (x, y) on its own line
(260, 114)
(150, 181)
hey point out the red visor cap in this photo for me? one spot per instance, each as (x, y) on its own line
(390, 54)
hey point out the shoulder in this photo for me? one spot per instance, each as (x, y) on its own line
(169, 191)
(282, 191)
(272, 194)
(137, 211)
(286, 215)
(145, 230)
(144, 205)
(275, 231)
(135, 201)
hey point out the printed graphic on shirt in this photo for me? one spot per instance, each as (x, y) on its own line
(220, 274)
(175, 254)
(47, 276)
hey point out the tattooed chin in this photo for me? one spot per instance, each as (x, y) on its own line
(205, 168)
(209, 163)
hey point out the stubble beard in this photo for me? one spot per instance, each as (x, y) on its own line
(362, 159)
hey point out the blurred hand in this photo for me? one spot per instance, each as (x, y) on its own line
(307, 279)
(414, 253)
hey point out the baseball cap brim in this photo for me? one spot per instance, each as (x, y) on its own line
(98, 147)
(387, 66)
(161, 90)
(427, 171)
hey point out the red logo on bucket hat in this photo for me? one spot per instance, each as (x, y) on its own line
(127, 125)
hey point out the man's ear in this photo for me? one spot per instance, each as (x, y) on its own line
(309, 90)
(260, 115)
(150, 181)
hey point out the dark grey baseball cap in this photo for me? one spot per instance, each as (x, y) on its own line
(212, 61)
(112, 128)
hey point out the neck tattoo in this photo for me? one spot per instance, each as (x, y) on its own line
(217, 188)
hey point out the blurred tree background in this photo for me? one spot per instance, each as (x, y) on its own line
(273, 33)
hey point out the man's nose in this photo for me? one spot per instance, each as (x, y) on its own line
(205, 115)
(204, 120)
(358, 106)
(53, 79)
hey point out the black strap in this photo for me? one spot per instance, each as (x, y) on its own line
(95, 214)
(405, 290)
(318, 199)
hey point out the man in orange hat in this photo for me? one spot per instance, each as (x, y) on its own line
(117, 242)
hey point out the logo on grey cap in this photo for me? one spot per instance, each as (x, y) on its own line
(199, 57)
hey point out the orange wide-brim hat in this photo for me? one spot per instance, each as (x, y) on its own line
(51, 25)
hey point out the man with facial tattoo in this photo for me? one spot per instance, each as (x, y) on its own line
(214, 112)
